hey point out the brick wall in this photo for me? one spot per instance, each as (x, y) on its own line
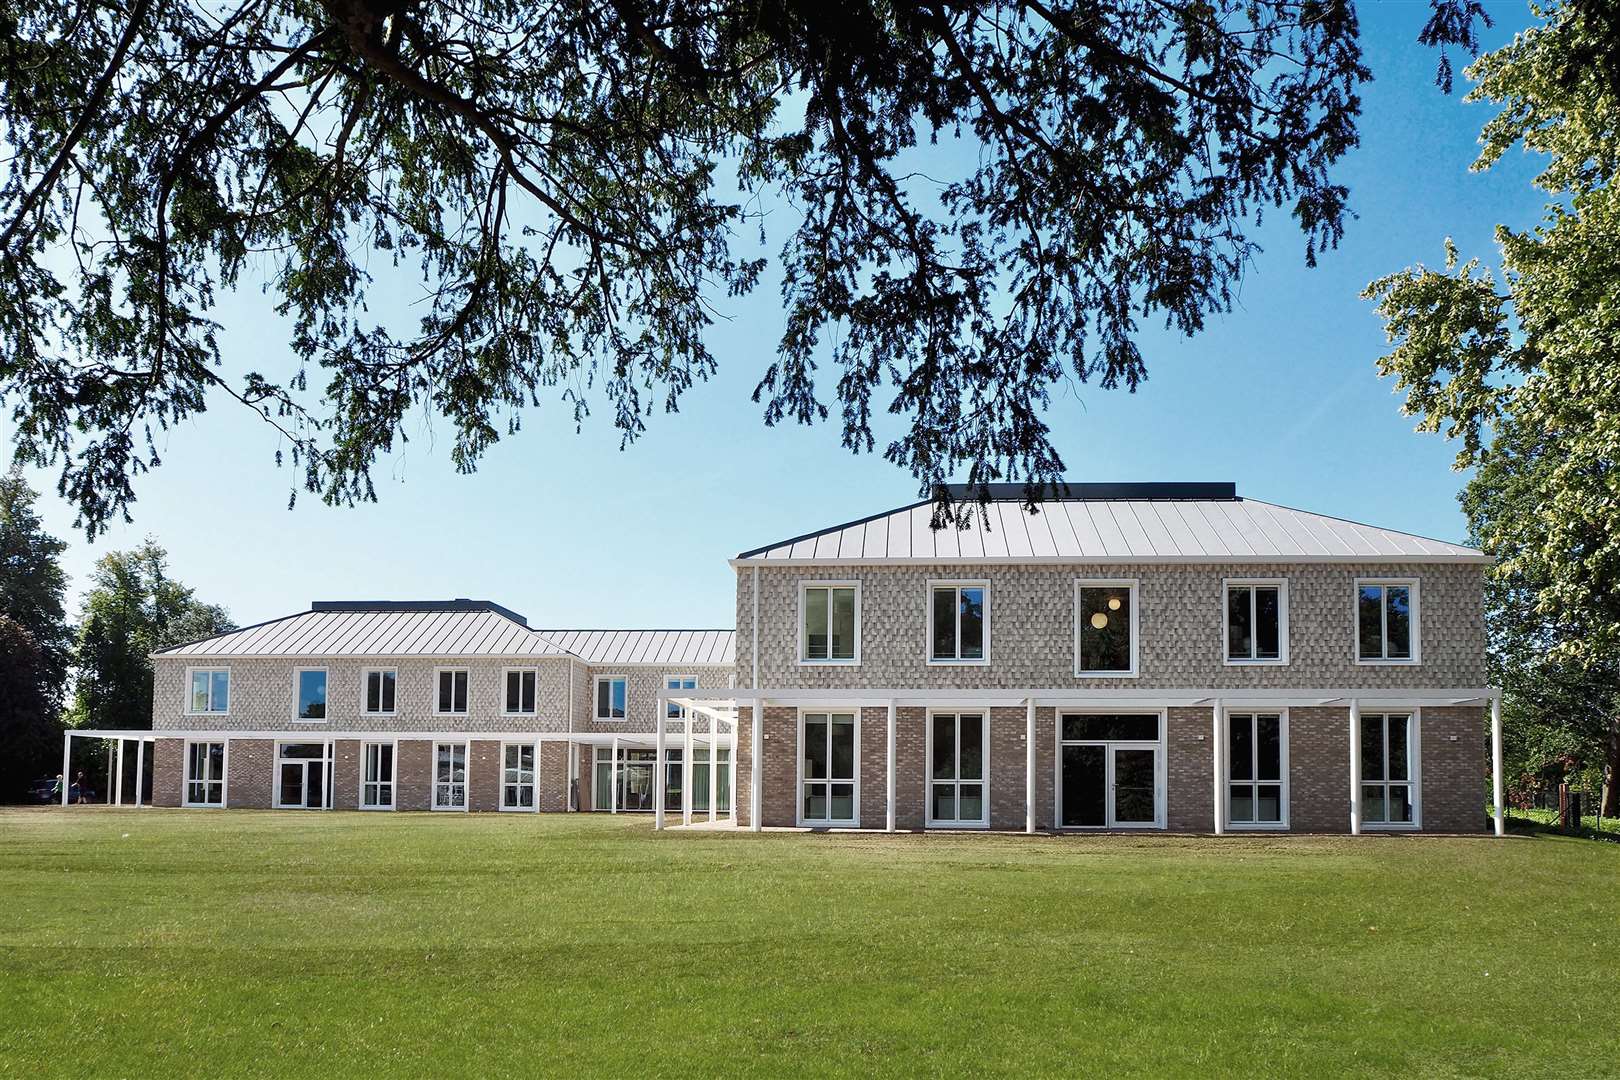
(1319, 770)
(551, 786)
(413, 775)
(250, 774)
(1032, 627)
(483, 775)
(168, 771)
(1189, 770)
(346, 774)
(1454, 773)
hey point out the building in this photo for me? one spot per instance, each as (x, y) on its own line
(1134, 656)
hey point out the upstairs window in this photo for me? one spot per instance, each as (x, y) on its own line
(452, 691)
(311, 686)
(829, 623)
(381, 684)
(1105, 628)
(610, 697)
(958, 622)
(210, 691)
(1387, 622)
(520, 691)
(678, 683)
(1256, 622)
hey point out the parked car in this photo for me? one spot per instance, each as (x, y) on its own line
(44, 790)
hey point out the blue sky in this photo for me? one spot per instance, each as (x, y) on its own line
(1280, 396)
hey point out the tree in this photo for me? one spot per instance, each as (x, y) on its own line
(30, 719)
(1523, 368)
(553, 184)
(32, 583)
(133, 609)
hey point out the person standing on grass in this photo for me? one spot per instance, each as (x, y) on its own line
(78, 786)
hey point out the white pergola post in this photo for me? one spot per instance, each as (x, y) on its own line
(731, 765)
(119, 788)
(613, 806)
(1029, 766)
(658, 765)
(686, 770)
(714, 768)
(888, 760)
(756, 775)
(110, 758)
(1355, 767)
(1497, 809)
(140, 768)
(1216, 763)
(67, 764)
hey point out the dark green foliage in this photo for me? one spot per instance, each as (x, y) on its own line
(133, 609)
(35, 643)
(550, 186)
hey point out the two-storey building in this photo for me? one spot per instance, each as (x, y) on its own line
(1133, 656)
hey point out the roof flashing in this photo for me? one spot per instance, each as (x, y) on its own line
(461, 603)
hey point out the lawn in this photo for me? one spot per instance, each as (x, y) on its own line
(156, 943)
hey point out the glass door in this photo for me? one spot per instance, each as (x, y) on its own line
(956, 788)
(450, 776)
(301, 774)
(1110, 771)
(1085, 786)
(827, 770)
(377, 781)
(1135, 788)
(517, 777)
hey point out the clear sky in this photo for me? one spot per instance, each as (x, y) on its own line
(1280, 396)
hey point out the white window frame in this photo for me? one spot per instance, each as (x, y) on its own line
(928, 629)
(928, 768)
(328, 779)
(798, 770)
(853, 661)
(1281, 585)
(365, 688)
(673, 711)
(1226, 764)
(224, 772)
(1161, 768)
(438, 676)
(1355, 622)
(596, 698)
(506, 706)
(298, 675)
(392, 781)
(534, 781)
(1134, 585)
(1414, 750)
(466, 773)
(230, 691)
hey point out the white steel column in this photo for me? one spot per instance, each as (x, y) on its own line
(888, 762)
(67, 763)
(756, 775)
(1216, 761)
(110, 776)
(658, 764)
(1029, 766)
(686, 771)
(1355, 767)
(613, 806)
(140, 768)
(119, 788)
(1496, 765)
(731, 765)
(714, 767)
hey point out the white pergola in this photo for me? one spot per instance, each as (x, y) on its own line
(115, 760)
(727, 703)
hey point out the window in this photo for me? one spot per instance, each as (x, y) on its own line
(1256, 770)
(1388, 770)
(673, 711)
(377, 776)
(205, 774)
(956, 769)
(311, 689)
(634, 777)
(700, 781)
(303, 778)
(517, 776)
(1256, 622)
(380, 686)
(210, 691)
(1386, 622)
(1105, 628)
(450, 776)
(958, 622)
(827, 769)
(610, 699)
(452, 691)
(520, 684)
(829, 623)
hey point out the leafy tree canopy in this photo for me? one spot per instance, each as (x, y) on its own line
(1522, 366)
(32, 583)
(134, 608)
(30, 717)
(558, 188)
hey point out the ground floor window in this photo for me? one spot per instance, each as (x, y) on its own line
(956, 769)
(1256, 752)
(450, 776)
(377, 776)
(1110, 771)
(517, 776)
(303, 776)
(205, 774)
(827, 769)
(1388, 769)
(634, 779)
(700, 781)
